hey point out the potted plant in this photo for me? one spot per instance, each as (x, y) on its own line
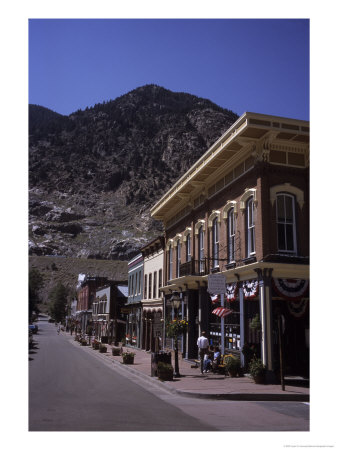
(83, 342)
(257, 370)
(95, 344)
(102, 348)
(232, 365)
(128, 357)
(165, 371)
(116, 351)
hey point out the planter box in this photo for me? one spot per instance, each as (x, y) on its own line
(165, 376)
(102, 349)
(128, 359)
(116, 351)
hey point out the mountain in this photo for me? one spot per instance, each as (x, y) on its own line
(93, 175)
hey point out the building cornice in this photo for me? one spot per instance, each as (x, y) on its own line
(250, 129)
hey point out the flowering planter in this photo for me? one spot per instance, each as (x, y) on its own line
(128, 359)
(96, 345)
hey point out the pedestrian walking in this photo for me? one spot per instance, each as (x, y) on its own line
(59, 328)
(203, 345)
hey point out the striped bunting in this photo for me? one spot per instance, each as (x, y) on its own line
(221, 312)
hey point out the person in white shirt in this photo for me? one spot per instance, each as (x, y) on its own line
(203, 346)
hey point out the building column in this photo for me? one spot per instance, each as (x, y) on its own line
(242, 320)
(265, 306)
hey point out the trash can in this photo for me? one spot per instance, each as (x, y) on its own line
(157, 357)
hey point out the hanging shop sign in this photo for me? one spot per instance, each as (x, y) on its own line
(293, 289)
(250, 288)
(231, 291)
(216, 283)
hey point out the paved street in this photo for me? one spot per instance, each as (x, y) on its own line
(74, 388)
(71, 390)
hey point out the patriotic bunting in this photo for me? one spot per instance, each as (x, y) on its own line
(214, 299)
(221, 312)
(297, 309)
(290, 288)
(250, 288)
(231, 291)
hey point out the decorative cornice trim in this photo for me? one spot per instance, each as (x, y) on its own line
(215, 214)
(199, 224)
(245, 197)
(185, 233)
(229, 204)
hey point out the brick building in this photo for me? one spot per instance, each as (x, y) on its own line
(86, 293)
(242, 210)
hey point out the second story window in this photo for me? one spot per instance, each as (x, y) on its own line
(150, 282)
(155, 285)
(145, 286)
(160, 278)
(139, 282)
(250, 227)
(201, 249)
(215, 243)
(286, 224)
(178, 258)
(188, 249)
(231, 236)
(170, 262)
(136, 281)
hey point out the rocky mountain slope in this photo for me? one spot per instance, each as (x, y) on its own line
(93, 175)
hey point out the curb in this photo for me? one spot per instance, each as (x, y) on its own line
(236, 396)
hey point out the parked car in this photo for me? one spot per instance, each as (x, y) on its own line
(34, 328)
(51, 320)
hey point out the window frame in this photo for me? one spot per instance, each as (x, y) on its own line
(188, 248)
(201, 249)
(178, 258)
(285, 223)
(155, 285)
(250, 227)
(215, 243)
(231, 233)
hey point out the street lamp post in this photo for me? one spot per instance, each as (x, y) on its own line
(176, 302)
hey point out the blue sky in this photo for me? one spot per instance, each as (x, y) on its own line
(259, 65)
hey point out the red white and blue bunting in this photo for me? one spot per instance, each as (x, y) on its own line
(250, 288)
(293, 289)
(297, 309)
(222, 312)
(231, 291)
(214, 299)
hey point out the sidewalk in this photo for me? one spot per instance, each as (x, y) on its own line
(209, 385)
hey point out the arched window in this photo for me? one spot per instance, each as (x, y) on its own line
(215, 243)
(201, 249)
(178, 258)
(231, 235)
(286, 223)
(250, 227)
(188, 248)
